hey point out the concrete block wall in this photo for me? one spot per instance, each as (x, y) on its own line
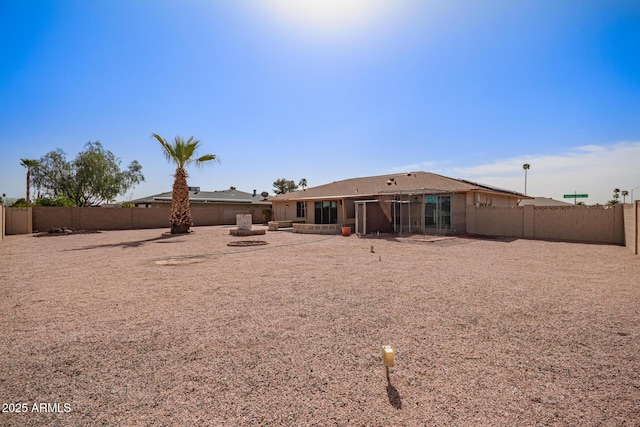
(18, 220)
(579, 223)
(498, 221)
(571, 223)
(81, 218)
(2, 213)
(632, 226)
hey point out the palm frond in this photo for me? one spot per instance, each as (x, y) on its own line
(168, 149)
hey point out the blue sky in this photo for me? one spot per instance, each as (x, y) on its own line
(328, 90)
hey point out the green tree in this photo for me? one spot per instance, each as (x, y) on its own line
(58, 201)
(616, 197)
(92, 178)
(29, 164)
(282, 186)
(182, 153)
(20, 203)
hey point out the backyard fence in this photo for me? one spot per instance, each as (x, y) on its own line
(632, 225)
(597, 224)
(44, 218)
(618, 224)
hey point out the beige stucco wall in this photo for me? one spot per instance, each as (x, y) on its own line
(497, 221)
(459, 213)
(47, 217)
(572, 223)
(478, 198)
(632, 226)
(18, 220)
(286, 211)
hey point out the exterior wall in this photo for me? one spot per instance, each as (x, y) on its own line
(458, 214)
(502, 201)
(571, 223)
(488, 199)
(47, 217)
(632, 226)
(18, 220)
(2, 221)
(286, 211)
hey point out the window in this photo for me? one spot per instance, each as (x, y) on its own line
(326, 212)
(301, 209)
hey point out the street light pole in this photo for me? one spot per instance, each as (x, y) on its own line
(632, 193)
(526, 167)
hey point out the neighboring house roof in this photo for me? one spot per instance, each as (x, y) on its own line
(543, 201)
(224, 196)
(411, 183)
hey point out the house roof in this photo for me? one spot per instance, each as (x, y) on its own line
(406, 183)
(543, 201)
(223, 196)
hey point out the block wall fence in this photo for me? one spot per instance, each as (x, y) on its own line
(617, 225)
(632, 226)
(594, 224)
(43, 218)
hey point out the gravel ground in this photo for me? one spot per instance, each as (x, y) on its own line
(136, 328)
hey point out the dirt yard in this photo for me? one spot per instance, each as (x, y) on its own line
(134, 328)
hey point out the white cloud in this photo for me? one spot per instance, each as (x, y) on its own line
(592, 169)
(412, 167)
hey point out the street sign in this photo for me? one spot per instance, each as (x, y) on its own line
(575, 196)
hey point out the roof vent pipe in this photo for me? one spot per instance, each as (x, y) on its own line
(254, 193)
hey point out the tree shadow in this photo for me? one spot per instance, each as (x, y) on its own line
(394, 397)
(164, 238)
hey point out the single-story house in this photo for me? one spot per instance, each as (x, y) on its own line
(196, 196)
(215, 207)
(415, 202)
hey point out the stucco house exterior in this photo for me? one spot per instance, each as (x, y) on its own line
(415, 202)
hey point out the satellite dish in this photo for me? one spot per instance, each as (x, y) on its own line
(264, 194)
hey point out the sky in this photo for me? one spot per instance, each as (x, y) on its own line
(329, 90)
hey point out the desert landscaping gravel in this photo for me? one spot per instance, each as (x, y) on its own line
(134, 328)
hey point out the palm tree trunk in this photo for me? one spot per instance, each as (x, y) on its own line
(28, 185)
(180, 209)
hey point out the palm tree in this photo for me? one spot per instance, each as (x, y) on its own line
(526, 167)
(182, 153)
(29, 164)
(624, 193)
(303, 183)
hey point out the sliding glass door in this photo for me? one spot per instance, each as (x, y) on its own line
(326, 212)
(437, 212)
